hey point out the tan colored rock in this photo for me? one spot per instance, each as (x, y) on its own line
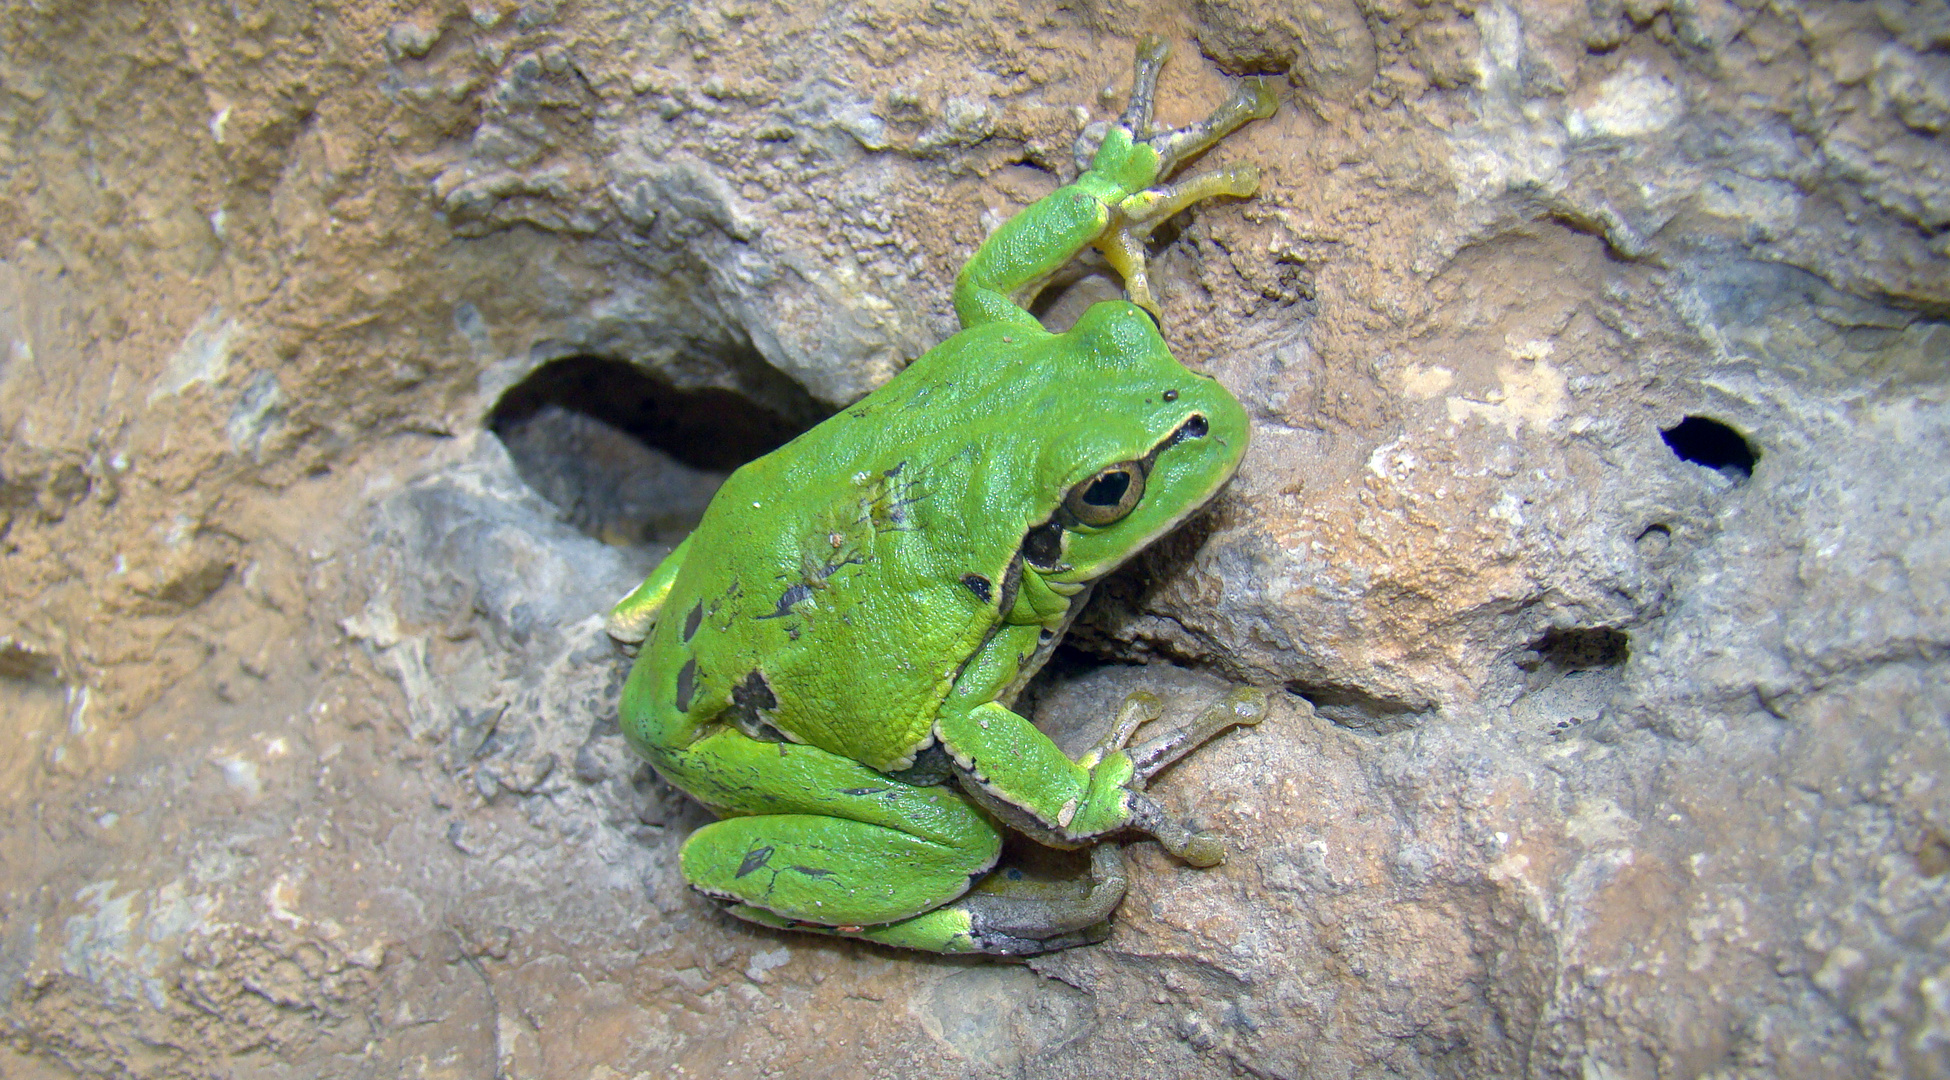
(1602, 752)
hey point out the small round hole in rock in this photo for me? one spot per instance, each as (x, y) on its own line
(1705, 441)
(627, 457)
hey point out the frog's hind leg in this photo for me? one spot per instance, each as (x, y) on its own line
(827, 871)
(813, 837)
(1021, 915)
(1005, 915)
(1015, 915)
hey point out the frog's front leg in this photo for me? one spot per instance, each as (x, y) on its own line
(631, 619)
(1023, 778)
(1114, 204)
(1011, 915)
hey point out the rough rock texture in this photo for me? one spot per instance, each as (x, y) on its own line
(1603, 752)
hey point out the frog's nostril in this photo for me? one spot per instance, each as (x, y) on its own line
(1194, 428)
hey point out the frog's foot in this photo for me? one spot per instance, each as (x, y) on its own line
(1246, 706)
(1137, 216)
(1008, 905)
(1006, 914)
(1134, 217)
(1252, 99)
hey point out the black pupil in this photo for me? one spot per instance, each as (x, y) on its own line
(1194, 428)
(1108, 489)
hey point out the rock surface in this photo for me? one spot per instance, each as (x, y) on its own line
(1594, 529)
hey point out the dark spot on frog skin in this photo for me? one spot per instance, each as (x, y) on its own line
(793, 593)
(686, 684)
(1011, 584)
(755, 859)
(751, 700)
(1171, 396)
(1042, 547)
(887, 511)
(692, 622)
(982, 587)
(931, 766)
(754, 693)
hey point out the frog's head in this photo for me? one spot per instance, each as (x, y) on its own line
(1159, 445)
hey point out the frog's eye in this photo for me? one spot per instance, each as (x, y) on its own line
(1108, 496)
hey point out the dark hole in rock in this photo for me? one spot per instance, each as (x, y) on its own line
(1358, 709)
(628, 457)
(1070, 662)
(1570, 673)
(17, 661)
(1706, 441)
(1066, 296)
(1578, 649)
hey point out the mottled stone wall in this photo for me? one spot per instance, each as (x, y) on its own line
(1609, 743)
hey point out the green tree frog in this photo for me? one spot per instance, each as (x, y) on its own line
(828, 661)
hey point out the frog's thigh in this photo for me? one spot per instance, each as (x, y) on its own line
(824, 838)
(830, 870)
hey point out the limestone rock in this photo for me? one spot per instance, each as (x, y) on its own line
(1594, 536)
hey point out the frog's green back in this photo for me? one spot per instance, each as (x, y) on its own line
(846, 563)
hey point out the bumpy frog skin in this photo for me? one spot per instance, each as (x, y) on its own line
(829, 659)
